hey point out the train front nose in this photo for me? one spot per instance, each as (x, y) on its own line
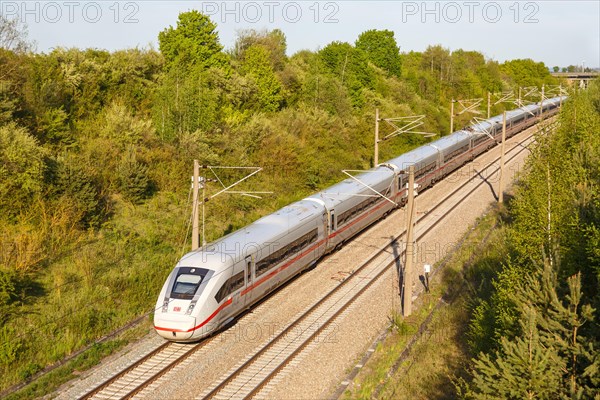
(175, 327)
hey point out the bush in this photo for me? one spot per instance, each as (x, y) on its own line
(22, 167)
(133, 180)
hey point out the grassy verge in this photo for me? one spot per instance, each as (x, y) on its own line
(85, 294)
(51, 381)
(425, 352)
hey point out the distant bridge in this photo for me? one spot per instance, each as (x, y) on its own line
(581, 78)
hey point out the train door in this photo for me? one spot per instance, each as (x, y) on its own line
(401, 194)
(332, 224)
(249, 273)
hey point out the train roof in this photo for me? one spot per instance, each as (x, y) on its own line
(450, 140)
(485, 125)
(270, 228)
(246, 241)
(348, 188)
(557, 99)
(413, 157)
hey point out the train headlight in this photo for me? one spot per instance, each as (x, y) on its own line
(165, 306)
(190, 308)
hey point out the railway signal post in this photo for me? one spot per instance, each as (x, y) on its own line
(408, 264)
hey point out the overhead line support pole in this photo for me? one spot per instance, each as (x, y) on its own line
(542, 105)
(204, 211)
(376, 152)
(408, 264)
(489, 104)
(560, 94)
(195, 222)
(501, 185)
(452, 116)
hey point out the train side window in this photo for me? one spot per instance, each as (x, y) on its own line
(357, 209)
(276, 257)
(231, 285)
(223, 292)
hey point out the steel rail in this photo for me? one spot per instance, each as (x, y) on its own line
(214, 391)
(139, 387)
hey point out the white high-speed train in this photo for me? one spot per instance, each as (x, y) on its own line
(212, 285)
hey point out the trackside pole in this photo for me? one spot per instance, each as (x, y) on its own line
(376, 152)
(560, 96)
(195, 222)
(408, 264)
(542, 105)
(452, 116)
(501, 185)
(204, 181)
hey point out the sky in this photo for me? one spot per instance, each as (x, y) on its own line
(556, 32)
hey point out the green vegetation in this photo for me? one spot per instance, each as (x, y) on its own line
(96, 149)
(534, 331)
(438, 355)
(527, 327)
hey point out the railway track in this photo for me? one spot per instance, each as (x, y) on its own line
(248, 378)
(142, 373)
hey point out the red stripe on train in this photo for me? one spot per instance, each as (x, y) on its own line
(218, 310)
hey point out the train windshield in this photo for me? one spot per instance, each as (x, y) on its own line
(187, 282)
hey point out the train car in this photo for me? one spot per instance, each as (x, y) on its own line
(426, 160)
(212, 285)
(352, 206)
(454, 152)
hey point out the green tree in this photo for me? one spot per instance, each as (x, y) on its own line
(13, 35)
(190, 91)
(273, 41)
(134, 182)
(123, 128)
(22, 169)
(350, 66)
(563, 324)
(256, 66)
(522, 369)
(382, 49)
(188, 101)
(498, 315)
(526, 72)
(53, 126)
(553, 278)
(194, 42)
(551, 357)
(7, 103)
(77, 187)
